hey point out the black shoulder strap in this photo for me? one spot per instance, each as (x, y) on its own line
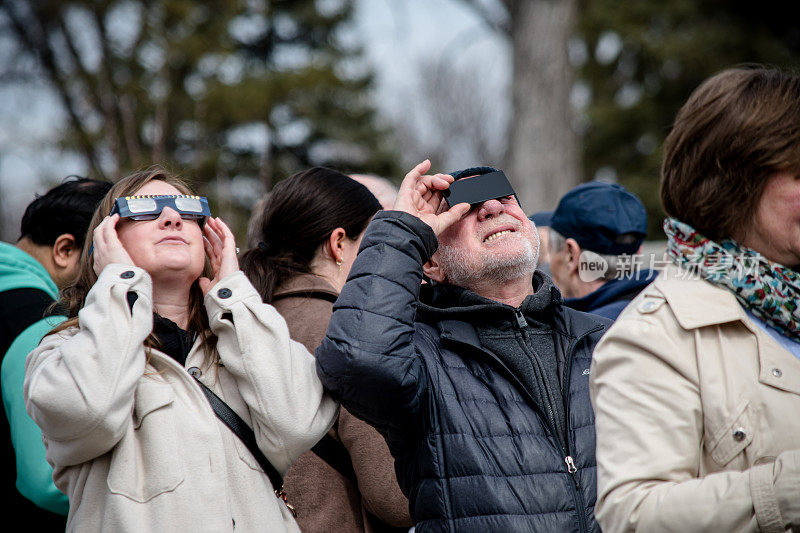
(335, 454)
(243, 431)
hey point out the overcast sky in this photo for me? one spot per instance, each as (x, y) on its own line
(396, 37)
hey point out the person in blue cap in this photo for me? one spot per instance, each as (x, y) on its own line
(541, 220)
(595, 233)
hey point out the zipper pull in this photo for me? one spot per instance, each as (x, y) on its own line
(521, 322)
(571, 468)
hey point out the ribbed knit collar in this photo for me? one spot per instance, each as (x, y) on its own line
(440, 302)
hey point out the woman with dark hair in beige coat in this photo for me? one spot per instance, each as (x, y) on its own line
(696, 387)
(132, 437)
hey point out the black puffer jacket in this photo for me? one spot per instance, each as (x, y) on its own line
(473, 451)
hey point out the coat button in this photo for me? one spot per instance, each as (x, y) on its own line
(777, 372)
(224, 293)
(128, 274)
(649, 306)
(739, 435)
(195, 372)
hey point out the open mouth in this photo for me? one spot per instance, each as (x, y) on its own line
(497, 234)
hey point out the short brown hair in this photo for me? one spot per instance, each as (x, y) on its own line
(736, 130)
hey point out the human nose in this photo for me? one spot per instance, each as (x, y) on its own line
(489, 209)
(170, 217)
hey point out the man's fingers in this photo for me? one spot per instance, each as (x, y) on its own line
(420, 169)
(434, 182)
(442, 181)
(410, 180)
(452, 215)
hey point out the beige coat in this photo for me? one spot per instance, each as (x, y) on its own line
(325, 500)
(697, 416)
(135, 444)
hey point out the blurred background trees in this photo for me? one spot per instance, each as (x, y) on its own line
(230, 93)
(543, 153)
(238, 94)
(638, 61)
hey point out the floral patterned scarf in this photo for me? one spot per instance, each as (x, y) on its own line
(769, 290)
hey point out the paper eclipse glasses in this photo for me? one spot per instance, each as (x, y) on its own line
(149, 207)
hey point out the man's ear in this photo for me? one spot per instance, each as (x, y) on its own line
(573, 251)
(335, 245)
(65, 251)
(433, 269)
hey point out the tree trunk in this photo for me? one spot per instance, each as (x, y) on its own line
(543, 160)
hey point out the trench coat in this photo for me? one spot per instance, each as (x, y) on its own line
(697, 415)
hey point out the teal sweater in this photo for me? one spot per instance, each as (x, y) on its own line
(19, 270)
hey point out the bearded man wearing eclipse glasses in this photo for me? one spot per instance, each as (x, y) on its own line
(478, 379)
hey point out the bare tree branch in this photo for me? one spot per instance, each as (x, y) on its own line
(126, 108)
(111, 93)
(101, 102)
(33, 35)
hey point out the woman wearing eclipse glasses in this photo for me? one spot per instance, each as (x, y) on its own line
(172, 399)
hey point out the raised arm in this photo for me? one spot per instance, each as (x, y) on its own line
(274, 374)
(368, 359)
(79, 383)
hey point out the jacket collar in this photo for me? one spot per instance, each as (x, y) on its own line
(695, 302)
(302, 284)
(440, 302)
(567, 322)
(612, 291)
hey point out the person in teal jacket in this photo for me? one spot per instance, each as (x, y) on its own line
(45, 257)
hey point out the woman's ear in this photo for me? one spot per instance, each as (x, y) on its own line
(336, 244)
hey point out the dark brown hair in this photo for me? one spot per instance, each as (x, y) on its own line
(301, 213)
(73, 297)
(736, 130)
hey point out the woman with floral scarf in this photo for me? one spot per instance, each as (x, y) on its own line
(696, 387)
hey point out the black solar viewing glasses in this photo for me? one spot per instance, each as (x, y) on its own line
(478, 189)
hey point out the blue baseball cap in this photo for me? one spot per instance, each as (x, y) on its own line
(602, 217)
(542, 218)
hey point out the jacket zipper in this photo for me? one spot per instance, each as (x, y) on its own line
(572, 470)
(522, 323)
(568, 460)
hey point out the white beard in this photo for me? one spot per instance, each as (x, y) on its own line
(464, 271)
